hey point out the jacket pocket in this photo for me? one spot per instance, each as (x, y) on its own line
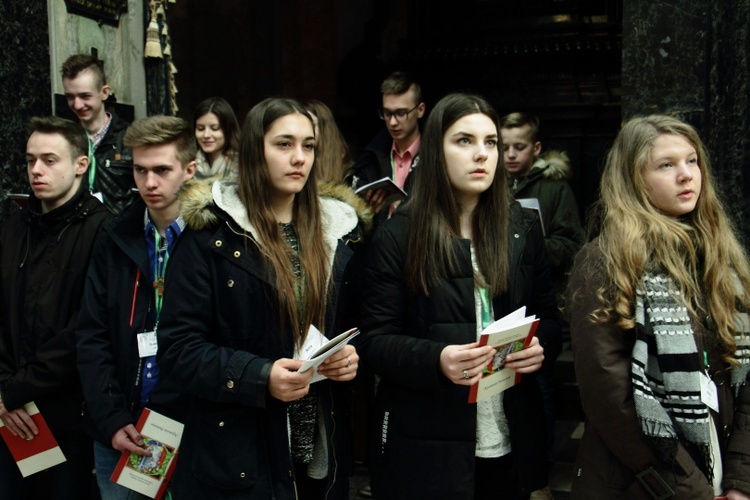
(225, 449)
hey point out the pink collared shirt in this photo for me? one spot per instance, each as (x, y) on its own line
(401, 163)
(401, 166)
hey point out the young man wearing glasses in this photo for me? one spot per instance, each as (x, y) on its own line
(396, 153)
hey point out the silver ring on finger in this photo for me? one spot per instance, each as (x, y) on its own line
(348, 362)
(466, 374)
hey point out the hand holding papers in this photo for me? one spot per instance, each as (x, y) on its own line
(392, 191)
(509, 334)
(318, 348)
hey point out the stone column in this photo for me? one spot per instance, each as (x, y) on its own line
(690, 60)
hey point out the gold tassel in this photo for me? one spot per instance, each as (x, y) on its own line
(168, 50)
(153, 44)
(172, 68)
(165, 30)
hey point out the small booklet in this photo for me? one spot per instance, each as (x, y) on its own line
(150, 475)
(318, 348)
(533, 204)
(392, 191)
(508, 334)
(36, 455)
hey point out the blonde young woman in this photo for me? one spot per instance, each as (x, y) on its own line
(657, 305)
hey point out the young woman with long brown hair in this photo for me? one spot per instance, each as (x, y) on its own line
(271, 257)
(460, 253)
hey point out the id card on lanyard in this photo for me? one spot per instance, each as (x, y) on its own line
(148, 344)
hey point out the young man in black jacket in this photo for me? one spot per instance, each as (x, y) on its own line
(116, 336)
(110, 175)
(44, 252)
(394, 152)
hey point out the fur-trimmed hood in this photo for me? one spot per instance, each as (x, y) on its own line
(341, 209)
(557, 165)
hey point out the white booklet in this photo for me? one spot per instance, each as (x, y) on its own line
(533, 204)
(317, 348)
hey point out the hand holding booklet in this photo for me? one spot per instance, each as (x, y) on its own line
(392, 191)
(36, 455)
(317, 348)
(150, 475)
(508, 334)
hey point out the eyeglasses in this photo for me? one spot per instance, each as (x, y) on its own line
(400, 114)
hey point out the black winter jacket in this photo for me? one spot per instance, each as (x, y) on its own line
(548, 182)
(219, 337)
(118, 303)
(43, 261)
(375, 163)
(426, 429)
(114, 168)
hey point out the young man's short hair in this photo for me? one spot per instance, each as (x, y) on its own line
(400, 82)
(158, 130)
(72, 132)
(80, 62)
(514, 120)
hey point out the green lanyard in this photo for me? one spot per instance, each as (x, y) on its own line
(484, 299)
(160, 268)
(92, 164)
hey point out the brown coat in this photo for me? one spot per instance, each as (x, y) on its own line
(613, 449)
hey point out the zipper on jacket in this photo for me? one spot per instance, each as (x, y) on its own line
(331, 446)
(137, 383)
(518, 267)
(384, 432)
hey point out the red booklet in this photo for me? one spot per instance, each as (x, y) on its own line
(36, 455)
(150, 475)
(508, 334)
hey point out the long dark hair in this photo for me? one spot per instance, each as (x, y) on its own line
(434, 208)
(227, 121)
(255, 196)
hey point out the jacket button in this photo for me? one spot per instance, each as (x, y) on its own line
(242, 474)
(516, 235)
(221, 424)
(236, 253)
(230, 384)
(218, 243)
(230, 283)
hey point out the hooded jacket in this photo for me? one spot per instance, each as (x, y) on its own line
(220, 336)
(548, 182)
(43, 261)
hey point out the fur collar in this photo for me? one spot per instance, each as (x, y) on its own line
(555, 165)
(341, 210)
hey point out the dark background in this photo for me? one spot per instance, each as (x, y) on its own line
(583, 66)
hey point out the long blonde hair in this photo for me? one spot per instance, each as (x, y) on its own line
(699, 251)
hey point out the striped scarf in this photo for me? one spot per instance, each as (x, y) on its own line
(665, 372)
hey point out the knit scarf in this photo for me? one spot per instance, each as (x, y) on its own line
(665, 372)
